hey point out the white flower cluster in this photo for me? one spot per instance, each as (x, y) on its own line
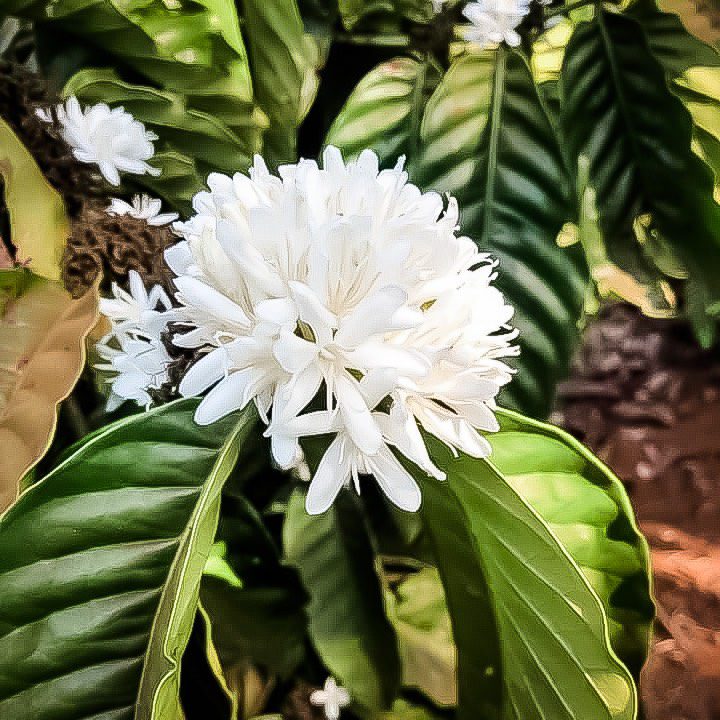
(132, 351)
(340, 299)
(494, 21)
(142, 207)
(112, 139)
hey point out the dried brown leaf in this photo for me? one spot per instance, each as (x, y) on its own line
(42, 353)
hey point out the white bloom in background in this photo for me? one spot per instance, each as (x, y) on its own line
(332, 699)
(110, 138)
(494, 21)
(340, 299)
(438, 5)
(142, 207)
(133, 351)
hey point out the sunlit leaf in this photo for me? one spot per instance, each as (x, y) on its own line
(39, 225)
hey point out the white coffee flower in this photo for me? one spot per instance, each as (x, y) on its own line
(112, 139)
(133, 351)
(332, 699)
(494, 21)
(142, 207)
(341, 300)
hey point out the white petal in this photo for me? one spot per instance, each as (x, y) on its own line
(293, 353)
(371, 316)
(395, 481)
(332, 473)
(226, 397)
(197, 293)
(204, 373)
(356, 415)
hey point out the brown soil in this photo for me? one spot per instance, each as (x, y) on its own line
(646, 398)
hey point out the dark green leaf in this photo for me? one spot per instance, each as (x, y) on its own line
(636, 135)
(348, 625)
(260, 616)
(101, 566)
(486, 138)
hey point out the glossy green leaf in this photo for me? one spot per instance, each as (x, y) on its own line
(556, 660)
(487, 139)
(385, 110)
(282, 59)
(610, 78)
(589, 512)
(101, 566)
(186, 63)
(348, 626)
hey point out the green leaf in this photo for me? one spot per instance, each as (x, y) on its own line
(609, 80)
(589, 512)
(674, 47)
(348, 626)
(101, 566)
(506, 170)
(38, 222)
(282, 59)
(556, 656)
(385, 110)
(420, 615)
(191, 56)
(257, 603)
(354, 12)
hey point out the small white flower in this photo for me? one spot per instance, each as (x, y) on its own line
(341, 300)
(494, 21)
(142, 207)
(332, 699)
(133, 350)
(438, 5)
(110, 138)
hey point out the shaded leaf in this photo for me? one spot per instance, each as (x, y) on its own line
(506, 170)
(354, 12)
(609, 79)
(42, 353)
(39, 225)
(204, 695)
(348, 625)
(101, 567)
(189, 56)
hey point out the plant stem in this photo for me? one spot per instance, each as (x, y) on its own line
(395, 40)
(552, 12)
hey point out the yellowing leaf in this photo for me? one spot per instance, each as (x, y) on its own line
(42, 352)
(37, 215)
(427, 649)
